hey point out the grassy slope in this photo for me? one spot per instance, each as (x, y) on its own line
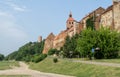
(75, 69)
(7, 64)
(100, 60)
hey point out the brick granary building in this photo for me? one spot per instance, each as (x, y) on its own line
(109, 17)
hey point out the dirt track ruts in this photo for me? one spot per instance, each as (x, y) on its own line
(24, 70)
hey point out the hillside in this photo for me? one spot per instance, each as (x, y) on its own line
(27, 52)
(75, 68)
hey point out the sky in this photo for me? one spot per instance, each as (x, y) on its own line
(22, 21)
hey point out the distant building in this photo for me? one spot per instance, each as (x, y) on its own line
(39, 38)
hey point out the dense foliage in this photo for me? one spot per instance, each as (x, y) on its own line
(69, 48)
(27, 52)
(106, 40)
(38, 58)
(1, 57)
(55, 60)
(53, 51)
(90, 23)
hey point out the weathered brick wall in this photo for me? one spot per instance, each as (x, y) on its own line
(48, 43)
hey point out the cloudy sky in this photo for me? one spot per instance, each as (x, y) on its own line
(22, 21)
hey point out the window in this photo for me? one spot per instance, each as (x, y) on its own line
(69, 22)
(72, 22)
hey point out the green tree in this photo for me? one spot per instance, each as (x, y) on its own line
(53, 51)
(108, 41)
(1, 57)
(26, 52)
(69, 48)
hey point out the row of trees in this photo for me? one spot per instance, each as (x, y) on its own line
(106, 40)
(28, 52)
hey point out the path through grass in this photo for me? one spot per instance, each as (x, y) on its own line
(75, 69)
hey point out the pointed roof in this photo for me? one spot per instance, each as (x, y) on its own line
(70, 17)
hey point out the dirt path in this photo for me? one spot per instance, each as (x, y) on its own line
(98, 63)
(24, 70)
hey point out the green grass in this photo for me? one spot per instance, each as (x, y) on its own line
(75, 69)
(14, 76)
(99, 60)
(109, 60)
(7, 64)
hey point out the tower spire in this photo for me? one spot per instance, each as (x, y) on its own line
(70, 15)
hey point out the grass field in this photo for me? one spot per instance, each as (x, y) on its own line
(7, 64)
(75, 69)
(100, 60)
(14, 76)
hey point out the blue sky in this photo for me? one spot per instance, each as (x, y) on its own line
(22, 21)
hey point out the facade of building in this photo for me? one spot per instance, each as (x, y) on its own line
(116, 14)
(96, 17)
(48, 43)
(109, 17)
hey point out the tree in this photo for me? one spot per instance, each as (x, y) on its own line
(69, 48)
(53, 51)
(26, 52)
(1, 57)
(108, 41)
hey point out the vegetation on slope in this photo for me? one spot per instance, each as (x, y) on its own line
(1, 57)
(67, 67)
(8, 64)
(27, 52)
(81, 45)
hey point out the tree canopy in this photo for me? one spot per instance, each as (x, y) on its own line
(107, 40)
(27, 52)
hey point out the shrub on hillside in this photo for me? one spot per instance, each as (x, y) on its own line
(55, 60)
(39, 58)
(1, 57)
(53, 51)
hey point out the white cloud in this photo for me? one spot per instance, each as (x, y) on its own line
(8, 26)
(15, 6)
(12, 35)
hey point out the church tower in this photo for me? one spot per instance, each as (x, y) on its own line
(70, 21)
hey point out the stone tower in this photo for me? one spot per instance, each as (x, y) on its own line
(70, 21)
(39, 39)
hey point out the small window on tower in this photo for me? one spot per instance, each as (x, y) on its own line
(69, 22)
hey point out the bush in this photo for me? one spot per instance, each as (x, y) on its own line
(52, 51)
(39, 58)
(55, 60)
(1, 57)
